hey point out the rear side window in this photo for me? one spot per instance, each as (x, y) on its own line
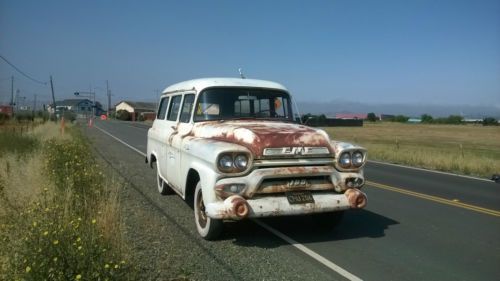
(162, 110)
(187, 106)
(175, 105)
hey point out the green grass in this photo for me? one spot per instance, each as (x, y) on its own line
(59, 215)
(464, 149)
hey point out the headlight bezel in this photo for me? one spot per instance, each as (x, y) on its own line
(234, 169)
(353, 165)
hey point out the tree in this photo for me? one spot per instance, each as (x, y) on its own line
(455, 119)
(426, 118)
(490, 121)
(400, 118)
(371, 117)
(123, 115)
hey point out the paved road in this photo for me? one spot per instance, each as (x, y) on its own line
(418, 225)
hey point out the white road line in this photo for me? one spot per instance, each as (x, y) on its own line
(431, 171)
(294, 243)
(124, 143)
(309, 252)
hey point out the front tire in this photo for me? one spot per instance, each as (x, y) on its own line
(208, 228)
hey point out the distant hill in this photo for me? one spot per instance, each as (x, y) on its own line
(413, 110)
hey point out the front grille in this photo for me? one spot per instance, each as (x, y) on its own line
(281, 185)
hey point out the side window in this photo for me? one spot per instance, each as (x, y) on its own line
(186, 108)
(162, 110)
(175, 105)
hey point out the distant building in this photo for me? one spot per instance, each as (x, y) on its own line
(414, 120)
(136, 109)
(81, 107)
(473, 120)
(361, 116)
(6, 109)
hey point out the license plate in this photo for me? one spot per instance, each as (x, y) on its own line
(300, 197)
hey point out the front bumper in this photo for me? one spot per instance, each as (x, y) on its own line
(236, 207)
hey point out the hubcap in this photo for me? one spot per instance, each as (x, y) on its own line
(202, 217)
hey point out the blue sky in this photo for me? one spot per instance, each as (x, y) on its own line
(436, 52)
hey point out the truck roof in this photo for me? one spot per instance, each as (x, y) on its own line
(200, 84)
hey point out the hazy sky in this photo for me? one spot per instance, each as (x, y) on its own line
(439, 52)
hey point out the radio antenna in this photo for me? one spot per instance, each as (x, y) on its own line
(241, 73)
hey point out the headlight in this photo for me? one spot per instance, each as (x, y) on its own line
(241, 161)
(226, 162)
(233, 162)
(357, 158)
(345, 160)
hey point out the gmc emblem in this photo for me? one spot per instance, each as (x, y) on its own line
(294, 150)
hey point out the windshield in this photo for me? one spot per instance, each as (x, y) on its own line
(237, 103)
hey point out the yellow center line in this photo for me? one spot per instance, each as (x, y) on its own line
(436, 199)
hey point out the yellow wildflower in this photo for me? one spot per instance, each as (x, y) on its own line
(45, 233)
(79, 248)
(93, 221)
(78, 277)
(54, 259)
(34, 223)
(55, 242)
(78, 239)
(106, 266)
(116, 266)
(28, 269)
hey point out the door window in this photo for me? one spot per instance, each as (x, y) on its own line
(162, 110)
(187, 106)
(175, 105)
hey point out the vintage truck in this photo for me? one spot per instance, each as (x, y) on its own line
(234, 149)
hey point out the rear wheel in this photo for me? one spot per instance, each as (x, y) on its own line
(207, 227)
(163, 187)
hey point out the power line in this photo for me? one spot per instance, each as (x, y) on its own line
(24, 74)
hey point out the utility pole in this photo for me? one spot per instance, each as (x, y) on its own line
(12, 91)
(53, 97)
(108, 92)
(157, 92)
(34, 106)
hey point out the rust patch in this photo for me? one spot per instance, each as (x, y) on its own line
(356, 198)
(257, 135)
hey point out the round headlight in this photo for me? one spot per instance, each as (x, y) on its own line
(357, 158)
(345, 160)
(226, 162)
(241, 161)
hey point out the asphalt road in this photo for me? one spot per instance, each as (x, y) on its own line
(418, 225)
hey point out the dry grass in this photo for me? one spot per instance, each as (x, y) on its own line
(59, 215)
(466, 149)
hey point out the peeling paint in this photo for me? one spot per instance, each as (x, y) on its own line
(257, 135)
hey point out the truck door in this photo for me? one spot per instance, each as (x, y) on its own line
(177, 145)
(158, 133)
(170, 169)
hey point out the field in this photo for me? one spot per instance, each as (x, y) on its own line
(464, 149)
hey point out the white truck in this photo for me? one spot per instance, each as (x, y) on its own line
(234, 149)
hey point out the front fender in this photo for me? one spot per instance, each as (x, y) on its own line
(201, 155)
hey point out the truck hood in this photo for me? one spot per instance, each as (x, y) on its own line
(258, 135)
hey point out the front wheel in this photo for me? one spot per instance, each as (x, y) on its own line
(207, 227)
